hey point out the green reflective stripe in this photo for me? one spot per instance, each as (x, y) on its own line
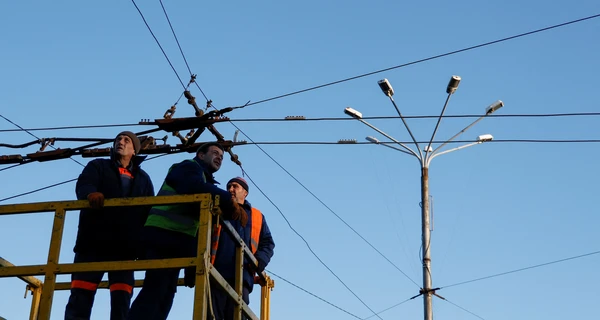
(166, 223)
(175, 217)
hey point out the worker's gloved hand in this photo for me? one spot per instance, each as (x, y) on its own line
(239, 213)
(96, 200)
(261, 266)
(189, 277)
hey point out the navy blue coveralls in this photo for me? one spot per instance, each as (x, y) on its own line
(108, 234)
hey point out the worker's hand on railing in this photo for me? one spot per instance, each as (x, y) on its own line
(189, 277)
(96, 200)
(261, 266)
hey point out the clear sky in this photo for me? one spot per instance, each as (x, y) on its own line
(497, 207)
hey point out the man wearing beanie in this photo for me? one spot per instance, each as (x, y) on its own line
(109, 234)
(257, 236)
(171, 231)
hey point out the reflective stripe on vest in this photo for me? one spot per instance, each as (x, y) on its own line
(256, 224)
(177, 213)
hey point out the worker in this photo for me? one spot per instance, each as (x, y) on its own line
(109, 233)
(171, 231)
(256, 236)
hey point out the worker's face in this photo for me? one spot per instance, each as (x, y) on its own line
(237, 191)
(123, 147)
(212, 158)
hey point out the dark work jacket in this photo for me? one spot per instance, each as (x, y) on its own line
(114, 230)
(225, 258)
(191, 177)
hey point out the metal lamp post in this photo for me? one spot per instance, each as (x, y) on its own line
(425, 156)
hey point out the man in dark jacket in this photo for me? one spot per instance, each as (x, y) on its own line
(256, 235)
(171, 231)
(109, 234)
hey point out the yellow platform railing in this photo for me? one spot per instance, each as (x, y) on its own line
(43, 292)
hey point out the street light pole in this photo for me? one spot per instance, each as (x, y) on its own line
(424, 160)
(426, 240)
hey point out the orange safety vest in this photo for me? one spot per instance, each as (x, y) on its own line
(256, 224)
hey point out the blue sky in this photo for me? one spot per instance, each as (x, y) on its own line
(497, 206)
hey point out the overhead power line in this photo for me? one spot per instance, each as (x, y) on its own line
(509, 272)
(175, 36)
(463, 309)
(331, 304)
(209, 103)
(538, 115)
(179, 46)
(308, 245)
(328, 208)
(10, 167)
(312, 294)
(429, 58)
(76, 127)
(351, 142)
(158, 43)
(521, 269)
(448, 116)
(37, 190)
(33, 135)
(389, 308)
(56, 184)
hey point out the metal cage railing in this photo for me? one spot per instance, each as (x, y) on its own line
(43, 291)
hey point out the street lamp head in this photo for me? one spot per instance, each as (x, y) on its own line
(353, 113)
(372, 139)
(485, 138)
(386, 87)
(493, 107)
(453, 84)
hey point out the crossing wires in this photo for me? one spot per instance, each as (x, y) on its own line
(33, 135)
(209, 104)
(455, 116)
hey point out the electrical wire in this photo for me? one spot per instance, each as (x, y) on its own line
(448, 116)
(102, 141)
(463, 309)
(312, 294)
(58, 184)
(33, 135)
(158, 43)
(36, 190)
(174, 35)
(389, 308)
(331, 304)
(505, 273)
(173, 31)
(304, 188)
(326, 206)
(454, 141)
(307, 244)
(422, 60)
(16, 165)
(521, 269)
(428, 59)
(542, 115)
(77, 127)
(179, 45)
